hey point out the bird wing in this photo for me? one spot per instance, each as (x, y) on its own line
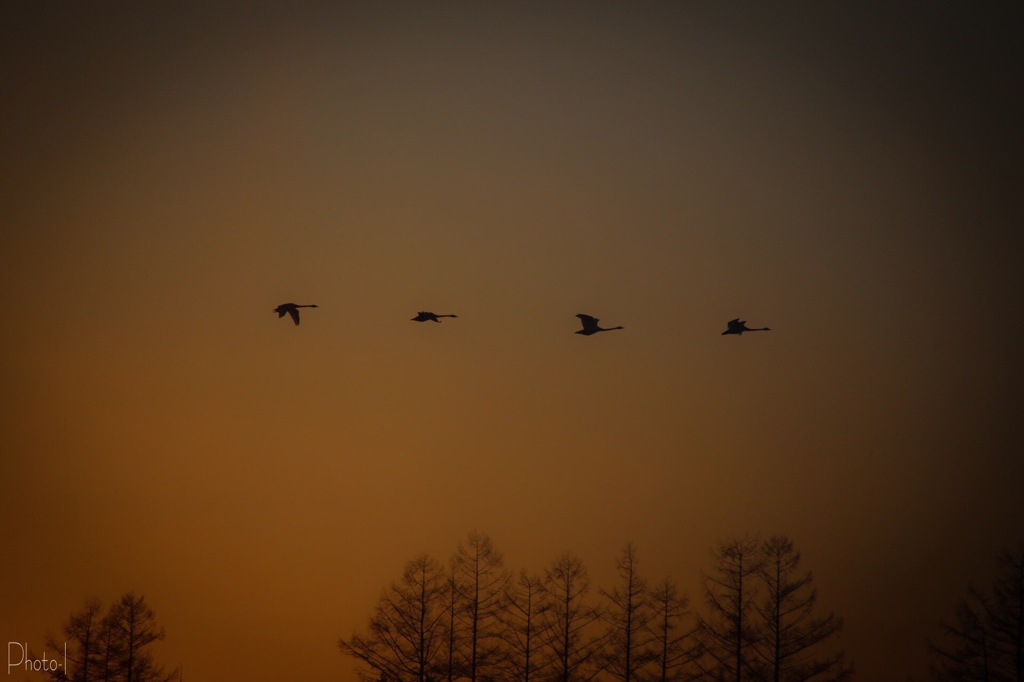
(588, 321)
(295, 315)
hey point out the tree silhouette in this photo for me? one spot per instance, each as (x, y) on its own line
(132, 624)
(115, 647)
(674, 646)
(628, 616)
(790, 630)
(967, 655)
(522, 631)
(480, 581)
(568, 621)
(84, 637)
(471, 620)
(407, 630)
(729, 633)
(1006, 615)
(986, 639)
(452, 666)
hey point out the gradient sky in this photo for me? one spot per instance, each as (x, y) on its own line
(845, 173)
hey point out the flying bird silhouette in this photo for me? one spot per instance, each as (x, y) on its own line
(423, 316)
(590, 325)
(292, 309)
(739, 326)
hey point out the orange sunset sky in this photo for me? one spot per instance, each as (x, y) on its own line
(845, 173)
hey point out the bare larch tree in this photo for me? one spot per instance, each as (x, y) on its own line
(675, 645)
(407, 631)
(628, 615)
(729, 633)
(568, 622)
(986, 640)
(522, 630)
(113, 647)
(480, 581)
(790, 649)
